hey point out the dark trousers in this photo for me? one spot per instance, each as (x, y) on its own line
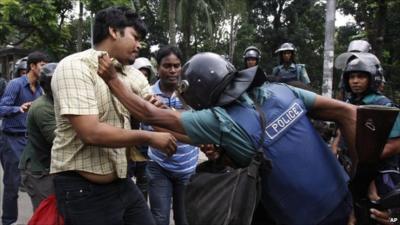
(11, 148)
(138, 170)
(164, 187)
(83, 203)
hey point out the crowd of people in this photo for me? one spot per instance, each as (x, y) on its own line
(81, 129)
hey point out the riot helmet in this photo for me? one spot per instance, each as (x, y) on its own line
(365, 64)
(252, 52)
(359, 46)
(208, 80)
(251, 56)
(46, 73)
(20, 65)
(286, 47)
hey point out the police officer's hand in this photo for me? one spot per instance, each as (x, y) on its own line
(106, 69)
(163, 141)
(383, 217)
(25, 107)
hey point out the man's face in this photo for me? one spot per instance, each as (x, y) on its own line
(250, 62)
(127, 46)
(358, 82)
(145, 72)
(36, 68)
(21, 72)
(287, 56)
(169, 70)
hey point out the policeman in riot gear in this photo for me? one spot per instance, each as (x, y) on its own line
(362, 77)
(288, 70)
(355, 46)
(300, 182)
(251, 56)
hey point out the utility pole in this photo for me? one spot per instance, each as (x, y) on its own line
(329, 48)
(79, 28)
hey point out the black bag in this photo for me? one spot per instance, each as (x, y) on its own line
(222, 195)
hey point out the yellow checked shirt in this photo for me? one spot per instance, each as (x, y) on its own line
(78, 90)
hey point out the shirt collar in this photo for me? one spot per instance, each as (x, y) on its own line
(155, 88)
(291, 66)
(25, 81)
(95, 54)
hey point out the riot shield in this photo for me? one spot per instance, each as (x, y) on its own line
(374, 124)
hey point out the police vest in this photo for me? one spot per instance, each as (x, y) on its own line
(289, 74)
(306, 182)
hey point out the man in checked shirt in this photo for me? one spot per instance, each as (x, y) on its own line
(89, 154)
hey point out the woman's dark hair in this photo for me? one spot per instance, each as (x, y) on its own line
(118, 18)
(166, 51)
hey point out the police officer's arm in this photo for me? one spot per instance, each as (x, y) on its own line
(139, 108)
(391, 148)
(343, 114)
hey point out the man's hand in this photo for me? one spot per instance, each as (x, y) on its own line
(106, 69)
(153, 100)
(25, 107)
(163, 141)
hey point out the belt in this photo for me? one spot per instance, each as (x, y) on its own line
(15, 134)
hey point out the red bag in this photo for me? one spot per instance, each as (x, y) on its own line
(47, 213)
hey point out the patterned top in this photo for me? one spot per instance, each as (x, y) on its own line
(184, 161)
(17, 93)
(78, 90)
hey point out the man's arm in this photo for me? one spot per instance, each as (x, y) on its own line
(7, 103)
(344, 115)
(91, 131)
(139, 108)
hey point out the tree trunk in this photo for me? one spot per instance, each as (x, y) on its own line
(329, 48)
(79, 28)
(171, 21)
(234, 23)
(187, 30)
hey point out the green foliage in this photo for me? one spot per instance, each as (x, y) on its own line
(300, 22)
(34, 24)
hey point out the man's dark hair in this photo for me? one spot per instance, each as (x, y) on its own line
(118, 18)
(36, 57)
(166, 51)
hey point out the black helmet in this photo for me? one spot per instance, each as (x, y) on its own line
(252, 52)
(46, 73)
(359, 46)
(208, 80)
(286, 47)
(366, 64)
